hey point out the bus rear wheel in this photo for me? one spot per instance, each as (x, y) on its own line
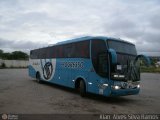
(38, 77)
(82, 88)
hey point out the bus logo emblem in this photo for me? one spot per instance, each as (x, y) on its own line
(47, 70)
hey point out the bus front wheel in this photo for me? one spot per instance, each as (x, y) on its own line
(38, 77)
(82, 88)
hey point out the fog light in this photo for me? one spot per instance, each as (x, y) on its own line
(116, 87)
(138, 86)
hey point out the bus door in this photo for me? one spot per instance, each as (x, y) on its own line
(99, 74)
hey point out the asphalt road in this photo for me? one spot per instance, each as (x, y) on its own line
(21, 94)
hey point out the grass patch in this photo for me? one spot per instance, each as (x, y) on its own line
(150, 69)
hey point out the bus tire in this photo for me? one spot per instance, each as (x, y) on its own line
(38, 77)
(82, 88)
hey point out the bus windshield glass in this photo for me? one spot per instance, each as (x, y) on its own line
(126, 54)
(122, 47)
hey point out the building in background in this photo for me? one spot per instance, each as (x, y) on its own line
(14, 63)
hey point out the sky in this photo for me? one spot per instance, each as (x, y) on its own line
(30, 24)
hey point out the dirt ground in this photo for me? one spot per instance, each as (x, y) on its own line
(23, 95)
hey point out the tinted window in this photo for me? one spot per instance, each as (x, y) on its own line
(59, 51)
(42, 53)
(81, 49)
(98, 48)
(71, 50)
(51, 52)
(122, 47)
(33, 54)
(77, 50)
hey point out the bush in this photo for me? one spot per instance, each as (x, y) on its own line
(3, 65)
(150, 69)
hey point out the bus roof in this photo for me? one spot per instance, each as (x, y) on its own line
(86, 38)
(90, 38)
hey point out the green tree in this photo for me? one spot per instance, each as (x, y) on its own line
(153, 61)
(17, 55)
(7, 56)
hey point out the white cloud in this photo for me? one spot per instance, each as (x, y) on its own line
(50, 21)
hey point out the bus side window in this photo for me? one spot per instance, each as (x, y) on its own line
(77, 50)
(81, 49)
(60, 51)
(34, 54)
(68, 51)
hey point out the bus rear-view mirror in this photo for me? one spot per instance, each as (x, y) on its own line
(145, 58)
(113, 55)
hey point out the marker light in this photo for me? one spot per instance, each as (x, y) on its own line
(121, 76)
(115, 76)
(105, 85)
(118, 76)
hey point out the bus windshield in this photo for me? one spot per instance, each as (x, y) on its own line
(126, 54)
(122, 47)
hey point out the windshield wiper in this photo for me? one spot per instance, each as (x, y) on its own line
(132, 72)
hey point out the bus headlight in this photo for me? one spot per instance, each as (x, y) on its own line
(116, 87)
(138, 86)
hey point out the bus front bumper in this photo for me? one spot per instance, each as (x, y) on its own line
(123, 92)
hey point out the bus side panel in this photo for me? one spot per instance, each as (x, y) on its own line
(61, 76)
(81, 70)
(47, 69)
(38, 65)
(33, 67)
(70, 69)
(67, 70)
(31, 71)
(95, 84)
